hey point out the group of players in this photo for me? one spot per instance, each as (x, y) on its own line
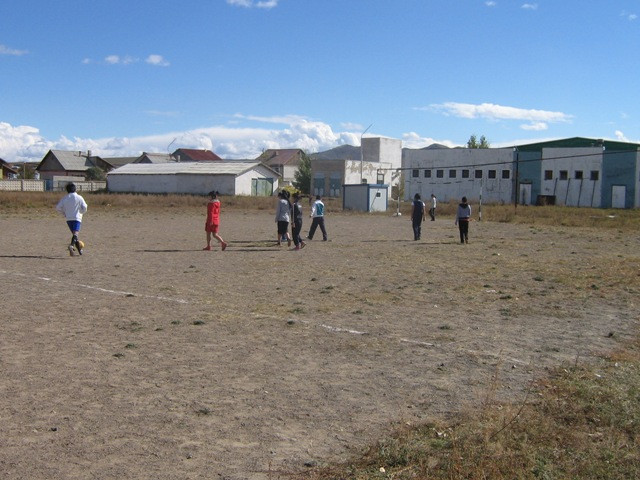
(73, 207)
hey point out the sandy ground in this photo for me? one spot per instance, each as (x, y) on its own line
(148, 358)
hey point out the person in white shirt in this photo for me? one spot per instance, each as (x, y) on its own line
(432, 210)
(73, 206)
(317, 214)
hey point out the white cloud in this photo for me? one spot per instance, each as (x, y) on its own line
(157, 60)
(535, 126)
(266, 4)
(22, 143)
(354, 127)
(620, 136)
(116, 60)
(530, 6)
(629, 16)
(491, 111)
(25, 143)
(4, 50)
(491, 4)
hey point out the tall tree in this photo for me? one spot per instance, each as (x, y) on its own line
(302, 177)
(474, 143)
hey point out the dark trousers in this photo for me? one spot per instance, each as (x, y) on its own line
(417, 228)
(317, 222)
(297, 228)
(463, 226)
(432, 214)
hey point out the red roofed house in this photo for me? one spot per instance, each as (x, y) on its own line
(192, 155)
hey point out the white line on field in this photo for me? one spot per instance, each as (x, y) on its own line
(100, 289)
(339, 330)
(179, 300)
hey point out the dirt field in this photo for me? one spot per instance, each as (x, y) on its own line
(148, 358)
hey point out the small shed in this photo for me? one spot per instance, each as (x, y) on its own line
(365, 197)
(198, 178)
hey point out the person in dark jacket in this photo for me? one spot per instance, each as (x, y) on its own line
(463, 217)
(296, 222)
(418, 214)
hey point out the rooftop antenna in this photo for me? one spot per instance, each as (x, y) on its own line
(169, 146)
(361, 152)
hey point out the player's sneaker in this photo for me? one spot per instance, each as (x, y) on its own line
(223, 246)
(208, 247)
(71, 251)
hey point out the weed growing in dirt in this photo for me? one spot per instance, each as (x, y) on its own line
(581, 422)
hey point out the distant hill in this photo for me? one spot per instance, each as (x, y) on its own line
(343, 152)
(434, 146)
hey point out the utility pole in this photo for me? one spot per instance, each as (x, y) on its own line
(361, 152)
(517, 186)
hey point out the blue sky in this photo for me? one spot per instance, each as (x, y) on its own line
(239, 76)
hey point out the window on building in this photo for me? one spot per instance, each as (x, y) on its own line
(564, 175)
(415, 173)
(427, 174)
(465, 173)
(548, 174)
(595, 175)
(492, 174)
(452, 174)
(578, 174)
(478, 173)
(506, 174)
(440, 173)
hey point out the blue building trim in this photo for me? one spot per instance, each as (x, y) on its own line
(618, 169)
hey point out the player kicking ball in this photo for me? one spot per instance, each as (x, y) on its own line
(73, 206)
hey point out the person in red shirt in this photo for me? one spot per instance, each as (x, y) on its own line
(212, 224)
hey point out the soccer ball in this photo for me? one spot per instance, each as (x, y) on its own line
(80, 244)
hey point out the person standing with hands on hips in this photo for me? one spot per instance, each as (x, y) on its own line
(73, 206)
(317, 214)
(463, 217)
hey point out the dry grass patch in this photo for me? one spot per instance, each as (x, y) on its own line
(582, 422)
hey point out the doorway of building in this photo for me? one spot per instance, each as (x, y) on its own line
(525, 194)
(618, 196)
